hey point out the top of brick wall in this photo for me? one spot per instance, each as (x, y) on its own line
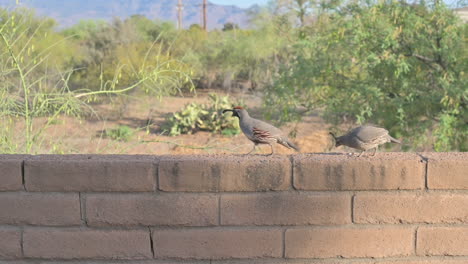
(233, 173)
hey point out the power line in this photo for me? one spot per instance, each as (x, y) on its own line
(204, 15)
(180, 7)
(198, 5)
(204, 6)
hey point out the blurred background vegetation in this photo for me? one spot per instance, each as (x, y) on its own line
(392, 63)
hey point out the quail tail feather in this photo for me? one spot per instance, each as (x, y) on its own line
(285, 142)
(394, 140)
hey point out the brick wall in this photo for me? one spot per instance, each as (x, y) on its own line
(321, 208)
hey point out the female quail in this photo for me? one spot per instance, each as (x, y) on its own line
(364, 138)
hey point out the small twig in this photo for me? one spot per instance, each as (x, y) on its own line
(423, 58)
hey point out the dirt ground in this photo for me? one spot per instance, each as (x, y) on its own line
(71, 135)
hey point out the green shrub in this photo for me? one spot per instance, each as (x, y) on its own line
(230, 131)
(121, 133)
(36, 69)
(396, 65)
(206, 117)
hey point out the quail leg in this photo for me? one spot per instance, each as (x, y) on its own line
(272, 150)
(375, 150)
(254, 148)
(361, 153)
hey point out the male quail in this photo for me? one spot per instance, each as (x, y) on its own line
(364, 138)
(258, 131)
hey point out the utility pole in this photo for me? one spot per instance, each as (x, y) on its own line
(180, 6)
(204, 15)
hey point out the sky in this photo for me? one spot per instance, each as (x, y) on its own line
(239, 3)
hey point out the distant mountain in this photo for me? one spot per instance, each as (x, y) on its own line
(69, 12)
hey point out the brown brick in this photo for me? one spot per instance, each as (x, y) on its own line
(434, 260)
(11, 178)
(409, 260)
(146, 261)
(10, 243)
(282, 208)
(396, 208)
(110, 262)
(447, 170)
(442, 241)
(78, 173)
(384, 171)
(217, 244)
(423, 261)
(152, 210)
(86, 244)
(40, 209)
(349, 242)
(225, 173)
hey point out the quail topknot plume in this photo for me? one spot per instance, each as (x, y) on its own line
(364, 138)
(260, 132)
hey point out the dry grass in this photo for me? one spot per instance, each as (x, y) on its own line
(71, 135)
